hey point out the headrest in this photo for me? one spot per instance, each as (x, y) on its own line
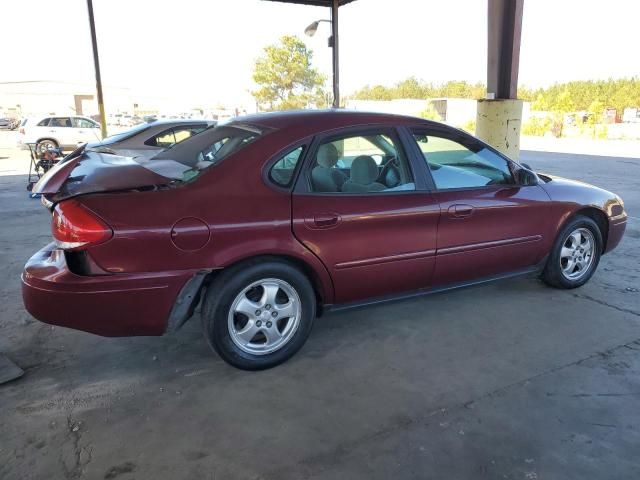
(327, 155)
(364, 170)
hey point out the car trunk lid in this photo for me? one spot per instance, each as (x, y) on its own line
(84, 172)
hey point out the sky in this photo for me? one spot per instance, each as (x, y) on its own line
(205, 49)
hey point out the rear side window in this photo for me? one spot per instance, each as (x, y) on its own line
(42, 123)
(281, 173)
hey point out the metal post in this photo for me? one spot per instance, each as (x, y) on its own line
(96, 64)
(503, 52)
(334, 45)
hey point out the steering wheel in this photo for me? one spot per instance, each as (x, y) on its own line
(390, 173)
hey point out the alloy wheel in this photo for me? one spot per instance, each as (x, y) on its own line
(577, 254)
(264, 316)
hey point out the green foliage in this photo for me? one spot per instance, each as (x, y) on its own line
(286, 79)
(414, 88)
(595, 110)
(537, 126)
(560, 98)
(579, 95)
(469, 126)
(430, 113)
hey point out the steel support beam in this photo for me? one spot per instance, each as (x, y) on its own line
(335, 53)
(503, 48)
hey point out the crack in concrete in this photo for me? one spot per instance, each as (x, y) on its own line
(605, 304)
(317, 464)
(74, 463)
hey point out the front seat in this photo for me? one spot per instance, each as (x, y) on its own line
(364, 173)
(324, 177)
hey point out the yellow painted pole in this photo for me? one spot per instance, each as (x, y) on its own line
(96, 64)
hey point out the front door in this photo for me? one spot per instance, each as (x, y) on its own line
(489, 225)
(84, 131)
(360, 208)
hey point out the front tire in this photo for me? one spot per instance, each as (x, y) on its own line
(575, 254)
(259, 313)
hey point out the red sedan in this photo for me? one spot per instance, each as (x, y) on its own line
(271, 219)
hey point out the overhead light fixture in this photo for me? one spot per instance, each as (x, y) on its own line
(311, 30)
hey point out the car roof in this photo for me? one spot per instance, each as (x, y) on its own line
(320, 119)
(178, 121)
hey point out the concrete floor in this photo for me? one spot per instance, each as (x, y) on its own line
(511, 380)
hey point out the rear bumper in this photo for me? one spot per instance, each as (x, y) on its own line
(617, 226)
(110, 305)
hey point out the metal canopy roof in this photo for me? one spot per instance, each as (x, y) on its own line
(316, 3)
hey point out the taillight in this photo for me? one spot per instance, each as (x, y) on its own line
(73, 226)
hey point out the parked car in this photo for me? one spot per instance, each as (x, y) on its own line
(8, 123)
(66, 132)
(147, 139)
(272, 219)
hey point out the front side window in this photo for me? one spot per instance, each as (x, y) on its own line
(42, 123)
(362, 163)
(83, 123)
(457, 165)
(282, 171)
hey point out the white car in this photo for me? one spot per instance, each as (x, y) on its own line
(66, 132)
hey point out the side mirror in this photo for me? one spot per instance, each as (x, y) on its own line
(526, 177)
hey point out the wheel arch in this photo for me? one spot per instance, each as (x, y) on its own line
(597, 216)
(323, 291)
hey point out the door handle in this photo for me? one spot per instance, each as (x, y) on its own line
(460, 210)
(325, 220)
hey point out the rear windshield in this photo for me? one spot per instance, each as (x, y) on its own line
(126, 134)
(209, 147)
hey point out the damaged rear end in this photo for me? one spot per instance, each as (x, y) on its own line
(75, 281)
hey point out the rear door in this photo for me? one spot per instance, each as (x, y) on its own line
(490, 225)
(375, 231)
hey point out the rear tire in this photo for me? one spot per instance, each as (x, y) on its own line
(259, 313)
(575, 254)
(45, 144)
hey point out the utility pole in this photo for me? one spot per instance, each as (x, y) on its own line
(96, 64)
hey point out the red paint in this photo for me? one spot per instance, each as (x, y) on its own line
(354, 247)
(190, 234)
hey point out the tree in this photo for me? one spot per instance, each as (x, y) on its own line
(430, 113)
(286, 79)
